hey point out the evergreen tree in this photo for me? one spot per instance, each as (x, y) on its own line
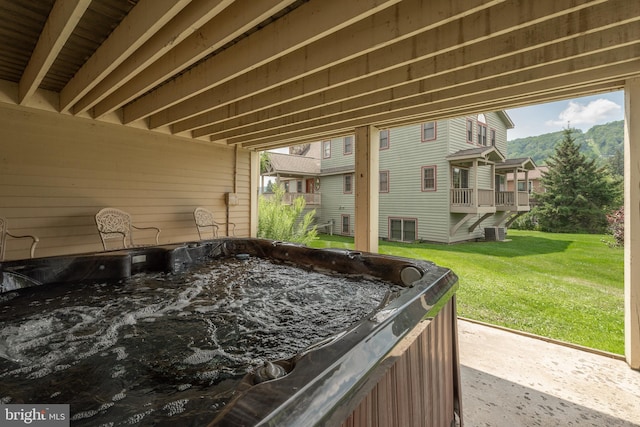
(578, 194)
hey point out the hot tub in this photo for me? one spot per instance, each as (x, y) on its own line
(395, 363)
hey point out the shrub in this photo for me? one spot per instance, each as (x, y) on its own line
(280, 221)
(527, 221)
(616, 225)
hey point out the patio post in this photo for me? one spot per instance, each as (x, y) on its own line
(632, 222)
(367, 146)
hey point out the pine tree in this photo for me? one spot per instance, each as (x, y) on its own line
(578, 195)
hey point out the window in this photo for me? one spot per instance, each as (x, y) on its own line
(384, 181)
(470, 131)
(345, 225)
(384, 139)
(493, 137)
(429, 131)
(429, 178)
(500, 180)
(521, 186)
(482, 134)
(299, 187)
(402, 229)
(347, 184)
(460, 177)
(348, 145)
(326, 149)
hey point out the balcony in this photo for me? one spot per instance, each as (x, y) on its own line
(512, 201)
(472, 201)
(515, 379)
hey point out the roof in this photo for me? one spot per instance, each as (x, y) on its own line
(483, 154)
(532, 175)
(524, 163)
(274, 73)
(288, 164)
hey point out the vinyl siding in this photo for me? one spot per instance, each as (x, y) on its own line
(335, 203)
(57, 171)
(404, 160)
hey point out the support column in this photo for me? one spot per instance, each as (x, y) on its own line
(254, 175)
(632, 222)
(367, 181)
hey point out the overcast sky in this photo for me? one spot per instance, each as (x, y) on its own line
(581, 113)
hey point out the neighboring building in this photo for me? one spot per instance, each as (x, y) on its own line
(532, 183)
(298, 173)
(441, 181)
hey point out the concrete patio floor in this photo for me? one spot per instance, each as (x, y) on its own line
(513, 380)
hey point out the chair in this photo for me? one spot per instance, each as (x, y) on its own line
(4, 232)
(114, 224)
(204, 218)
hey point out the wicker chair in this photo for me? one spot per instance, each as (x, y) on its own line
(204, 219)
(4, 233)
(116, 224)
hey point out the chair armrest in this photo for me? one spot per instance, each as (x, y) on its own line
(149, 228)
(233, 229)
(33, 245)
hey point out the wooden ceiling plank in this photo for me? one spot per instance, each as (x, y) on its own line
(231, 23)
(510, 101)
(305, 24)
(501, 52)
(556, 75)
(375, 32)
(192, 17)
(61, 22)
(144, 20)
(465, 30)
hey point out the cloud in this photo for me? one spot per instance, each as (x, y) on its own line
(580, 115)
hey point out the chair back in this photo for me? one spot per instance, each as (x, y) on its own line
(204, 219)
(113, 223)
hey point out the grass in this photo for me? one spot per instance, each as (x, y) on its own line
(568, 287)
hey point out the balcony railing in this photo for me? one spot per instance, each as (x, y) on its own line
(508, 200)
(309, 198)
(467, 197)
(471, 198)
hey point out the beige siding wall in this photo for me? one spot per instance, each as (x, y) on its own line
(57, 171)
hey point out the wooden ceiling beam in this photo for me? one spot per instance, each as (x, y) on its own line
(232, 22)
(144, 20)
(547, 78)
(192, 17)
(484, 106)
(434, 73)
(467, 30)
(62, 20)
(304, 25)
(375, 32)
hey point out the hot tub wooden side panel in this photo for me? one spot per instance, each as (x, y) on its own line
(422, 386)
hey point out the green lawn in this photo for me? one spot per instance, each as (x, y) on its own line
(563, 286)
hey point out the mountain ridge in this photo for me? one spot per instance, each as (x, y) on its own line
(598, 142)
